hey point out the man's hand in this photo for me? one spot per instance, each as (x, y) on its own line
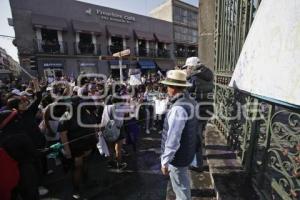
(165, 170)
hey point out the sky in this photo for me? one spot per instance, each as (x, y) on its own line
(142, 7)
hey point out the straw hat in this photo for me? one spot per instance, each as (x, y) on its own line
(176, 78)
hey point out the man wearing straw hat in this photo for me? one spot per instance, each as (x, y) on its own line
(179, 134)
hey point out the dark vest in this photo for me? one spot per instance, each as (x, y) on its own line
(186, 152)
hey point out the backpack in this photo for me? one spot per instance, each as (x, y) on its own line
(111, 132)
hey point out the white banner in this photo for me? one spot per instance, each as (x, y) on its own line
(135, 79)
(269, 64)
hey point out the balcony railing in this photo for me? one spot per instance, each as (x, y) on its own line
(49, 47)
(163, 53)
(152, 53)
(185, 54)
(180, 54)
(192, 53)
(87, 49)
(141, 52)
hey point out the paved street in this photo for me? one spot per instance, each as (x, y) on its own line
(141, 180)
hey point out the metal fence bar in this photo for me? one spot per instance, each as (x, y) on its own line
(236, 41)
(218, 33)
(251, 14)
(226, 36)
(222, 36)
(232, 34)
(240, 11)
(231, 9)
(246, 20)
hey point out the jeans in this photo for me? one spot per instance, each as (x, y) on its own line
(180, 182)
(149, 117)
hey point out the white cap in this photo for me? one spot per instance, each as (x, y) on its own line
(191, 62)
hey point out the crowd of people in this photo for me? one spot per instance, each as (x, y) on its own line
(68, 117)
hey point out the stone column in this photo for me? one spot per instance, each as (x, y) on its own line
(94, 41)
(124, 43)
(39, 39)
(109, 44)
(77, 40)
(156, 48)
(137, 47)
(147, 47)
(206, 26)
(60, 40)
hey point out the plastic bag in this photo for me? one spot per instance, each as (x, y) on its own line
(102, 146)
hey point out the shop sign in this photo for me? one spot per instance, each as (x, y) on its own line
(53, 64)
(87, 64)
(111, 16)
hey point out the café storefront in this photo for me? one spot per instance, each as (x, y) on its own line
(72, 40)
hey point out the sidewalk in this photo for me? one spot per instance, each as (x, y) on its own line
(224, 178)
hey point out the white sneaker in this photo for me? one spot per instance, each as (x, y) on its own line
(43, 191)
(76, 196)
(147, 132)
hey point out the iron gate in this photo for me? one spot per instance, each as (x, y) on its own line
(265, 136)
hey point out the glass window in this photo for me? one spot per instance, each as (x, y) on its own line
(185, 16)
(180, 15)
(85, 38)
(185, 34)
(49, 35)
(116, 44)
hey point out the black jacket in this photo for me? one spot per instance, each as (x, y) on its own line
(202, 89)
